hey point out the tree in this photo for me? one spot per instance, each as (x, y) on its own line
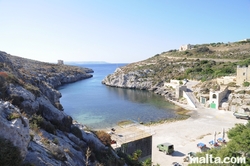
(238, 146)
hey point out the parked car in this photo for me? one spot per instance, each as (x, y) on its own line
(168, 148)
(176, 164)
(241, 116)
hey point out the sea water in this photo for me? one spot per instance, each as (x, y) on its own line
(99, 106)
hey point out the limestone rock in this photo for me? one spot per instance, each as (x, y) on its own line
(17, 129)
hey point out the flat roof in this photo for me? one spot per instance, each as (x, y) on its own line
(131, 133)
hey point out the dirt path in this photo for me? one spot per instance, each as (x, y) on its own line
(217, 60)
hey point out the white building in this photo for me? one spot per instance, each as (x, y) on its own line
(215, 97)
(60, 62)
(186, 47)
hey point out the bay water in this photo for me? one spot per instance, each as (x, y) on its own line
(99, 106)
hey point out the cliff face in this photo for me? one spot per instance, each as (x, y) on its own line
(139, 76)
(32, 118)
(14, 127)
(133, 79)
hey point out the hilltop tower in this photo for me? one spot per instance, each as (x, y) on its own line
(60, 62)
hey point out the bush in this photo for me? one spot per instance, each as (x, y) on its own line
(32, 89)
(231, 84)
(13, 115)
(37, 122)
(202, 49)
(9, 154)
(104, 137)
(246, 84)
(3, 85)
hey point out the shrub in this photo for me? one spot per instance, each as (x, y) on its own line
(55, 141)
(32, 89)
(104, 137)
(4, 74)
(13, 115)
(2, 86)
(9, 154)
(131, 159)
(202, 49)
(232, 84)
(37, 122)
(246, 84)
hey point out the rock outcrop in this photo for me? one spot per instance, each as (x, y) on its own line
(14, 126)
(32, 118)
(138, 79)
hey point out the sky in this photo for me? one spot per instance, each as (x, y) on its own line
(116, 31)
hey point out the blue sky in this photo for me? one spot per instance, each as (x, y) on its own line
(116, 30)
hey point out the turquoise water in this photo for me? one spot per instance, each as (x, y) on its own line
(98, 106)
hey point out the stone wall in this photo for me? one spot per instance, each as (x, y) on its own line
(144, 144)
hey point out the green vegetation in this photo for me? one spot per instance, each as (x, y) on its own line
(13, 115)
(37, 121)
(237, 50)
(238, 146)
(9, 154)
(32, 89)
(163, 68)
(246, 84)
(133, 159)
(3, 84)
(104, 157)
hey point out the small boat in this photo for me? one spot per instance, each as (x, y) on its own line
(241, 115)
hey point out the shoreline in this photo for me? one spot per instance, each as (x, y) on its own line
(185, 134)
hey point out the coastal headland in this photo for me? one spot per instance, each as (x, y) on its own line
(34, 128)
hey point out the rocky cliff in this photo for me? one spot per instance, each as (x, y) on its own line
(152, 73)
(32, 118)
(149, 75)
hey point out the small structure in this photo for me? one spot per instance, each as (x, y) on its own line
(215, 97)
(186, 47)
(245, 40)
(131, 138)
(243, 74)
(60, 62)
(179, 91)
(178, 85)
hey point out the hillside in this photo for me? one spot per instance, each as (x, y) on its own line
(203, 63)
(34, 129)
(231, 51)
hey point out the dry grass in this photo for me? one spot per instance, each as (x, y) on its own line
(13, 115)
(104, 137)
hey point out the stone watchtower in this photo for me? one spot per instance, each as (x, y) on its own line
(60, 62)
(243, 75)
